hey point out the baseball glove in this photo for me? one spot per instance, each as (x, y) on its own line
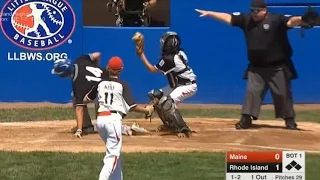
(150, 109)
(138, 38)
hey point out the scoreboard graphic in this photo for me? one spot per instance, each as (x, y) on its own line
(279, 165)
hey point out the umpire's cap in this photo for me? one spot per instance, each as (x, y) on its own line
(115, 63)
(258, 4)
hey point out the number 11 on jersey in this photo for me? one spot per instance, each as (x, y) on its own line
(109, 98)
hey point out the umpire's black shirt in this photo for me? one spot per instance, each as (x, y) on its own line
(267, 41)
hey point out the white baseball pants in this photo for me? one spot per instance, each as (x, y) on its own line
(109, 127)
(180, 93)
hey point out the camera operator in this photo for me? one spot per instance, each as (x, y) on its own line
(131, 12)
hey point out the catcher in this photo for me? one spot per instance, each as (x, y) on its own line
(181, 78)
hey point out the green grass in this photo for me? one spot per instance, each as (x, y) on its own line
(137, 166)
(146, 166)
(11, 115)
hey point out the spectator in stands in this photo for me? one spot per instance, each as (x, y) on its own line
(132, 12)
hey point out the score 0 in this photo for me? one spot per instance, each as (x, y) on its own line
(277, 157)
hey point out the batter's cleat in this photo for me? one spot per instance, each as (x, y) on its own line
(244, 123)
(126, 130)
(137, 130)
(78, 133)
(87, 129)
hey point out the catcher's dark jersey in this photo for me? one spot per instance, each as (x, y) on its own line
(267, 41)
(87, 75)
(177, 69)
(113, 95)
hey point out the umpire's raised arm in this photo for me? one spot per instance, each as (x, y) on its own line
(238, 19)
(220, 16)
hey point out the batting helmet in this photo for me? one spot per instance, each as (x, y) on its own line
(63, 68)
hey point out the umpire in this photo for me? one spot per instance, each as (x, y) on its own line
(269, 54)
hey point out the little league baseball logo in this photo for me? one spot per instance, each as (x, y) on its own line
(37, 24)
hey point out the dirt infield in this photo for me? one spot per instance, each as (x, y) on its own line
(183, 106)
(212, 135)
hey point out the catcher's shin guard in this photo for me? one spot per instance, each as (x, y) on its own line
(167, 124)
(155, 95)
(173, 115)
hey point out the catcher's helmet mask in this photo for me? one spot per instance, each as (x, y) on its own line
(170, 43)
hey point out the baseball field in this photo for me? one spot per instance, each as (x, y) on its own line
(36, 143)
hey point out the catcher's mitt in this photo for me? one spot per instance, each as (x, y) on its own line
(138, 38)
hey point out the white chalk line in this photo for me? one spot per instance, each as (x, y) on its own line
(242, 146)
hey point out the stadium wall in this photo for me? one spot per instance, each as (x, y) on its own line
(216, 51)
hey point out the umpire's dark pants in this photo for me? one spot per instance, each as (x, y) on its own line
(259, 81)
